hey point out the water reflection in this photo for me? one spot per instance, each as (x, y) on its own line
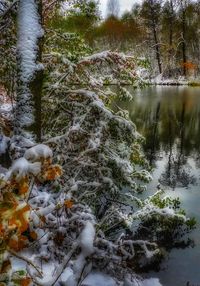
(169, 119)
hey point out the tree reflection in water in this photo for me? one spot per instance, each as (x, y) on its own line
(169, 119)
(177, 171)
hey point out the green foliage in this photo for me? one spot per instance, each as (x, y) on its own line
(158, 201)
(151, 11)
(66, 46)
(143, 62)
(162, 220)
(191, 223)
(80, 18)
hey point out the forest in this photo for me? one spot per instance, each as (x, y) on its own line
(99, 143)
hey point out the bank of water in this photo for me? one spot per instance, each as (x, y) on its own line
(169, 118)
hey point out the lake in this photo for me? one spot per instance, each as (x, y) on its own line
(169, 119)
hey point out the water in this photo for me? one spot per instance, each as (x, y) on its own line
(169, 118)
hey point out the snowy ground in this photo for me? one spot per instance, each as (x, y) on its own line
(97, 279)
(159, 80)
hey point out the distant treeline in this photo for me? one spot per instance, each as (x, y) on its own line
(166, 33)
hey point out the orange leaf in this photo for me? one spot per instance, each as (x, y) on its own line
(21, 217)
(5, 267)
(18, 218)
(13, 244)
(68, 204)
(189, 65)
(43, 219)
(23, 187)
(1, 230)
(33, 235)
(17, 243)
(52, 172)
(25, 281)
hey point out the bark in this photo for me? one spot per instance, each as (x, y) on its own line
(155, 36)
(171, 20)
(184, 38)
(157, 48)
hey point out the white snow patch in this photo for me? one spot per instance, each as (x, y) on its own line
(151, 282)
(47, 210)
(138, 282)
(98, 56)
(37, 152)
(98, 279)
(6, 108)
(87, 239)
(30, 31)
(22, 168)
(66, 275)
(3, 144)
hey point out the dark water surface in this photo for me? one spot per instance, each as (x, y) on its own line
(169, 118)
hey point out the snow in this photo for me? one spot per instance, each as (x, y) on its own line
(17, 264)
(29, 32)
(98, 56)
(22, 168)
(47, 210)
(142, 73)
(87, 239)
(5, 108)
(159, 80)
(3, 171)
(151, 282)
(37, 152)
(3, 144)
(66, 275)
(98, 279)
(18, 145)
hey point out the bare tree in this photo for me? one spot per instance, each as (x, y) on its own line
(150, 11)
(183, 6)
(113, 8)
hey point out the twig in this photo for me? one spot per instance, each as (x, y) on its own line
(30, 189)
(26, 260)
(79, 279)
(59, 271)
(36, 241)
(8, 10)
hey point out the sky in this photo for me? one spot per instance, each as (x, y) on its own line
(124, 5)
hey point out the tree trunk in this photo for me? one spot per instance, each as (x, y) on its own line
(30, 70)
(170, 54)
(157, 47)
(155, 36)
(184, 39)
